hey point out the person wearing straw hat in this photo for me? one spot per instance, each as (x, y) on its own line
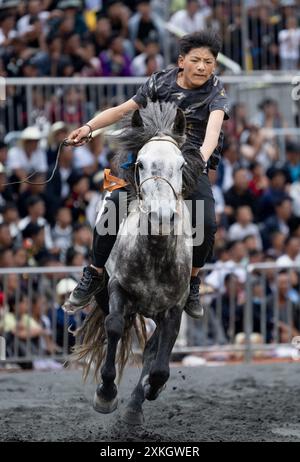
(28, 156)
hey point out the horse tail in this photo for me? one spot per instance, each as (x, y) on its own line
(90, 347)
(91, 342)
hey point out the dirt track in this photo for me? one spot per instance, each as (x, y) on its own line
(231, 403)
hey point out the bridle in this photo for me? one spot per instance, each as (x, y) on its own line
(155, 177)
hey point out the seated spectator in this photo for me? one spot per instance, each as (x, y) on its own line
(86, 157)
(28, 156)
(69, 107)
(244, 226)
(72, 9)
(238, 194)
(34, 237)
(58, 189)
(6, 193)
(57, 133)
(82, 240)
(20, 257)
(22, 332)
(6, 239)
(39, 309)
(115, 61)
(62, 231)
(292, 164)
(6, 258)
(291, 252)
(7, 27)
(276, 248)
(139, 63)
(275, 192)
(280, 221)
(259, 181)
(79, 196)
(118, 15)
(145, 25)
(238, 121)
(36, 188)
(228, 164)
(289, 311)
(101, 34)
(237, 257)
(61, 323)
(257, 147)
(10, 216)
(269, 116)
(232, 302)
(36, 214)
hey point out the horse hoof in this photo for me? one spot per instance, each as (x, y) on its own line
(103, 406)
(132, 417)
(151, 394)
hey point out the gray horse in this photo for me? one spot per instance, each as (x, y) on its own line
(150, 265)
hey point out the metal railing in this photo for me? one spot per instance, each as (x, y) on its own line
(42, 101)
(242, 302)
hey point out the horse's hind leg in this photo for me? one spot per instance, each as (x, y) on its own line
(160, 370)
(106, 399)
(134, 412)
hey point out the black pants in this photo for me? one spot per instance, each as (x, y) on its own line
(102, 244)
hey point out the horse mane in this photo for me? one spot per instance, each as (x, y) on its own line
(157, 120)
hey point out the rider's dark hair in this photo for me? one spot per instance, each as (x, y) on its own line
(201, 39)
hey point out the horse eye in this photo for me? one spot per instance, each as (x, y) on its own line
(140, 165)
(182, 165)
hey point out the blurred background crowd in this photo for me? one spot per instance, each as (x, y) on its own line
(256, 188)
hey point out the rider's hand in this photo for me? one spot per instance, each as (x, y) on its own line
(79, 136)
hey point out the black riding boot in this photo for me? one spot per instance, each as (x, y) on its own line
(89, 285)
(193, 305)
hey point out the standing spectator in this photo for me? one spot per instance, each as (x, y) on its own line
(289, 45)
(192, 18)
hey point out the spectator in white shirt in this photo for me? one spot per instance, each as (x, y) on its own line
(244, 226)
(27, 157)
(292, 252)
(289, 45)
(192, 19)
(139, 63)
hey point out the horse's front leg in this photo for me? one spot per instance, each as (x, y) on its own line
(134, 412)
(160, 369)
(106, 396)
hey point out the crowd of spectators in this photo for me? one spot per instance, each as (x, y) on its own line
(123, 38)
(50, 223)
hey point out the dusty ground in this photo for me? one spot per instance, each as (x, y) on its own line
(228, 403)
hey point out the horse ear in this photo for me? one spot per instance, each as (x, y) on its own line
(136, 120)
(179, 123)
